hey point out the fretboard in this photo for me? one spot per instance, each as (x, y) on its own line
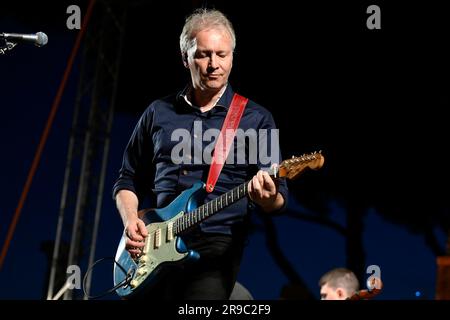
(205, 211)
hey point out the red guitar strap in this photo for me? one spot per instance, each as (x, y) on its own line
(225, 139)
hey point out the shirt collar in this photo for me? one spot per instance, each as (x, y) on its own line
(224, 100)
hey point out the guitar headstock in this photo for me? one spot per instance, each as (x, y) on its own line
(292, 168)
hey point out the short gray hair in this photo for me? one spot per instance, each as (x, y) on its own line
(202, 19)
(340, 278)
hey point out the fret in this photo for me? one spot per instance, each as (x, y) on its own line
(225, 196)
(189, 220)
(195, 215)
(206, 211)
(232, 200)
(215, 202)
(229, 198)
(211, 210)
(242, 189)
(203, 212)
(236, 196)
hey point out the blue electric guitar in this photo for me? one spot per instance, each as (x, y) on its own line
(164, 246)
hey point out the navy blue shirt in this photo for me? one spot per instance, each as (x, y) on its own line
(160, 136)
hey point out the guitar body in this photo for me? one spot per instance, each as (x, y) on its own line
(162, 249)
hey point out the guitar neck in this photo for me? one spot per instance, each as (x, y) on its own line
(205, 211)
(289, 169)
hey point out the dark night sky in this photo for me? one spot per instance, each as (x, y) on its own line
(372, 100)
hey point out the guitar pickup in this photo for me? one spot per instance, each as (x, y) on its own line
(147, 245)
(169, 231)
(157, 238)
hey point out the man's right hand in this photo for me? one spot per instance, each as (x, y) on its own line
(136, 233)
(135, 230)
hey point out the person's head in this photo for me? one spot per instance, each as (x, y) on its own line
(207, 43)
(338, 284)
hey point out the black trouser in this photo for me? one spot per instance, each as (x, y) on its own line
(212, 277)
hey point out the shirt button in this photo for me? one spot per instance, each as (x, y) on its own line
(184, 172)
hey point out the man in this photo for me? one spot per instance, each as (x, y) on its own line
(338, 284)
(207, 43)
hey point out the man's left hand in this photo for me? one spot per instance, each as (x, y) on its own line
(264, 191)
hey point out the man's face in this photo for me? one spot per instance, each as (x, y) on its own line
(329, 293)
(210, 60)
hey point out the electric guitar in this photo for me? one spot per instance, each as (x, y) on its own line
(164, 246)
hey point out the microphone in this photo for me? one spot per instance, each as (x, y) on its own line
(39, 39)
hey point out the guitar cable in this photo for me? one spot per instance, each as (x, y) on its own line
(123, 283)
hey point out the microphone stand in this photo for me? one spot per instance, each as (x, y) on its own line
(8, 46)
